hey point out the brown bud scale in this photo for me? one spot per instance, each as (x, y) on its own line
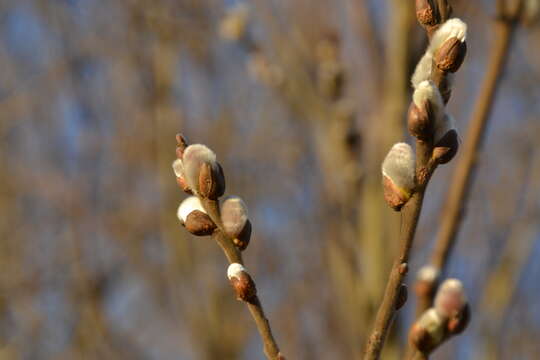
(450, 55)
(393, 196)
(211, 181)
(198, 223)
(447, 147)
(244, 287)
(420, 121)
(242, 240)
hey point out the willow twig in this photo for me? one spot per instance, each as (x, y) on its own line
(463, 174)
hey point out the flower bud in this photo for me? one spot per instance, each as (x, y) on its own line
(427, 332)
(446, 140)
(425, 13)
(450, 55)
(192, 215)
(242, 283)
(203, 174)
(236, 224)
(426, 109)
(398, 171)
(450, 299)
(458, 323)
(403, 295)
(425, 280)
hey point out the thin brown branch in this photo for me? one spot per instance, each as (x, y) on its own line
(271, 349)
(464, 172)
(411, 215)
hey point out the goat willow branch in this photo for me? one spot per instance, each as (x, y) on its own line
(505, 25)
(436, 143)
(198, 173)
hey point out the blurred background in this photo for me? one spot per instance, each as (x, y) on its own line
(301, 100)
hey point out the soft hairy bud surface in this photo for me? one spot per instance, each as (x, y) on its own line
(450, 299)
(427, 332)
(398, 171)
(178, 168)
(451, 28)
(241, 282)
(422, 72)
(427, 91)
(234, 215)
(399, 166)
(190, 204)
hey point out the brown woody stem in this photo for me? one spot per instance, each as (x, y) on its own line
(271, 349)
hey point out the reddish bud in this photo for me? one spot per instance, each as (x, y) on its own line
(425, 13)
(398, 171)
(199, 223)
(447, 147)
(242, 283)
(403, 295)
(420, 121)
(236, 224)
(450, 55)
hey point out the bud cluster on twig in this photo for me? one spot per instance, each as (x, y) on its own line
(427, 120)
(199, 174)
(448, 317)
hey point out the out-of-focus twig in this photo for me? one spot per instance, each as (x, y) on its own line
(504, 26)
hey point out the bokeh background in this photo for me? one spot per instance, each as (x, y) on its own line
(300, 100)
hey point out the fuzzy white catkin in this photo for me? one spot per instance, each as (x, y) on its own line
(451, 28)
(178, 168)
(427, 273)
(234, 215)
(194, 156)
(442, 125)
(423, 69)
(399, 166)
(427, 91)
(433, 323)
(450, 297)
(190, 204)
(234, 270)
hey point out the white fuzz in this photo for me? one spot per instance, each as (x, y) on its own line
(190, 204)
(423, 69)
(427, 273)
(234, 215)
(433, 323)
(450, 297)
(234, 270)
(178, 168)
(194, 156)
(399, 166)
(450, 29)
(427, 91)
(443, 124)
